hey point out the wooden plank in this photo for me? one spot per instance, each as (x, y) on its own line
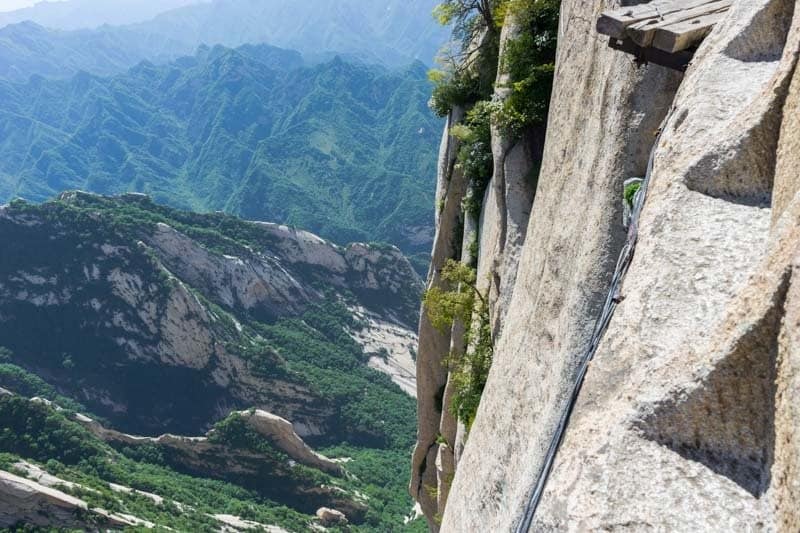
(669, 25)
(615, 23)
(643, 33)
(685, 34)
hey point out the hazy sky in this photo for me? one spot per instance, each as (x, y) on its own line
(11, 5)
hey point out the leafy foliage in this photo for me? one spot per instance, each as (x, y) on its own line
(461, 301)
(20, 381)
(308, 350)
(65, 449)
(466, 16)
(36, 431)
(529, 60)
(469, 64)
(382, 477)
(235, 432)
(470, 370)
(455, 302)
(311, 348)
(629, 194)
(475, 154)
(453, 88)
(372, 411)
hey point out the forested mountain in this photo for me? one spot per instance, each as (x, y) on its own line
(165, 363)
(155, 320)
(341, 149)
(36, 41)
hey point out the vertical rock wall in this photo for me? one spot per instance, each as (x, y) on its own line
(676, 428)
(687, 420)
(499, 233)
(434, 345)
(603, 118)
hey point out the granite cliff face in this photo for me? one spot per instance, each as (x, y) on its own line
(212, 358)
(106, 287)
(686, 420)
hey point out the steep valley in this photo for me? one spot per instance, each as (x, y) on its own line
(152, 320)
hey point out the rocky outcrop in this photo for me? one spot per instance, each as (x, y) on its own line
(434, 344)
(258, 282)
(579, 249)
(697, 340)
(331, 517)
(278, 431)
(176, 302)
(507, 205)
(37, 498)
(685, 421)
(272, 476)
(27, 502)
(236, 523)
(275, 280)
(391, 348)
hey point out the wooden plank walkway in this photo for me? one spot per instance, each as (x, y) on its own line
(667, 25)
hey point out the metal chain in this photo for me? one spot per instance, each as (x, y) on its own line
(612, 300)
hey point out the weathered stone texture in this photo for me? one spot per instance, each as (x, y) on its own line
(434, 344)
(680, 400)
(688, 417)
(604, 114)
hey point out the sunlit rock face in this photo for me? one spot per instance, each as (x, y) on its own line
(688, 397)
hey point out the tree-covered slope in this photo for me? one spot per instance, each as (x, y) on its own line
(158, 320)
(344, 150)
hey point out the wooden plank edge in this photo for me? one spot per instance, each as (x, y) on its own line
(683, 35)
(644, 33)
(614, 23)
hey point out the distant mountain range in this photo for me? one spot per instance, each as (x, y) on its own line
(59, 39)
(28, 49)
(345, 150)
(86, 14)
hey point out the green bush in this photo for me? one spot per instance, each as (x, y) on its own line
(475, 154)
(36, 431)
(460, 300)
(529, 62)
(630, 192)
(452, 89)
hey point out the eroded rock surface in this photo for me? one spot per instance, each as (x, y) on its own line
(24, 501)
(174, 303)
(685, 421)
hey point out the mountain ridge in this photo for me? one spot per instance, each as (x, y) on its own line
(249, 130)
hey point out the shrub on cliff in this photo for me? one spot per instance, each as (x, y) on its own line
(529, 60)
(475, 153)
(460, 300)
